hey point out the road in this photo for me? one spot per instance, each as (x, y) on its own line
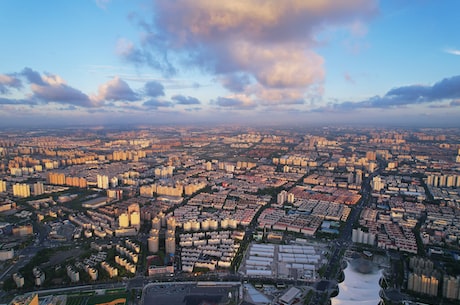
(344, 240)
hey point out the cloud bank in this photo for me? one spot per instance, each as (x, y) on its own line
(264, 49)
(446, 89)
(8, 82)
(46, 88)
(185, 100)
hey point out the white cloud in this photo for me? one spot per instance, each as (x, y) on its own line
(452, 51)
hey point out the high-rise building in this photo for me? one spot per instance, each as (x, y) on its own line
(18, 280)
(170, 245)
(371, 155)
(39, 276)
(153, 244)
(156, 223)
(371, 167)
(73, 274)
(350, 179)
(146, 191)
(377, 183)
(115, 194)
(423, 283)
(102, 182)
(21, 190)
(290, 198)
(358, 177)
(281, 197)
(57, 178)
(451, 287)
(112, 271)
(2, 186)
(114, 182)
(39, 189)
(92, 272)
(123, 220)
(135, 219)
(171, 223)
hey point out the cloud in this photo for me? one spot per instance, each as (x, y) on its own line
(236, 102)
(60, 93)
(448, 88)
(54, 89)
(32, 76)
(452, 51)
(7, 101)
(154, 89)
(155, 104)
(266, 43)
(228, 102)
(185, 100)
(7, 82)
(348, 78)
(69, 108)
(455, 103)
(193, 109)
(358, 28)
(115, 90)
(49, 88)
(102, 3)
(139, 56)
(44, 88)
(235, 82)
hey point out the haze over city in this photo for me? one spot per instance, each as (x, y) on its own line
(310, 62)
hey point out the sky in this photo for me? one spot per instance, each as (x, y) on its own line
(323, 62)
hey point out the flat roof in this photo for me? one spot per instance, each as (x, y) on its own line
(290, 295)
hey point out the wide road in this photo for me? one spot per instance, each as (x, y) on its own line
(344, 239)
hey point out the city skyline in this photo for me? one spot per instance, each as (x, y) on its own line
(169, 62)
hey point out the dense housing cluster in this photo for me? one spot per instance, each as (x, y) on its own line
(193, 201)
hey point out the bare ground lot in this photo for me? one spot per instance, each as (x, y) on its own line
(61, 256)
(187, 294)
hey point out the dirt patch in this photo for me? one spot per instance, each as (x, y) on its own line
(61, 256)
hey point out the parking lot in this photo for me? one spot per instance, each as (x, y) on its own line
(188, 293)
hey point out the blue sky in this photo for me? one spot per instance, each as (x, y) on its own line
(259, 61)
